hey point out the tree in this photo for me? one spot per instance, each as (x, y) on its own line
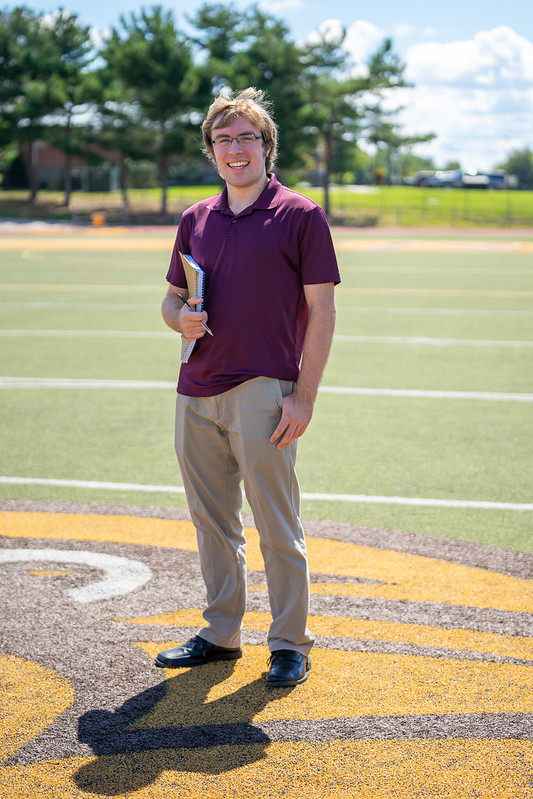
(343, 107)
(385, 71)
(45, 80)
(76, 88)
(152, 63)
(340, 104)
(520, 164)
(386, 136)
(28, 90)
(120, 132)
(331, 113)
(253, 48)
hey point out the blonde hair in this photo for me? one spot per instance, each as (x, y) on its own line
(249, 103)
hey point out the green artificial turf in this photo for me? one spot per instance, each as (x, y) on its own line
(429, 312)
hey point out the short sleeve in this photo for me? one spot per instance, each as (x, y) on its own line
(318, 261)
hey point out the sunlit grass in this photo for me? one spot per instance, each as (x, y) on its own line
(369, 206)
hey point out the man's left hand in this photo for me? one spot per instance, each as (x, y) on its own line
(295, 418)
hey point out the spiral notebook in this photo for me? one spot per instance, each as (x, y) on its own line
(195, 276)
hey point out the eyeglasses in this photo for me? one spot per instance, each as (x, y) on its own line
(242, 140)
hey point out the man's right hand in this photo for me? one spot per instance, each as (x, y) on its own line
(191, 321)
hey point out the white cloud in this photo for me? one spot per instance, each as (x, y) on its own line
(490, 57)
(330, 29)
(98, 36)
(476, 126)
(362, 40)
(476, 95)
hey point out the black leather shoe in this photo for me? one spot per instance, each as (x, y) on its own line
(287, 667)
(194, 653)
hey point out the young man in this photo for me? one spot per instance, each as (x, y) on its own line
(247, 392)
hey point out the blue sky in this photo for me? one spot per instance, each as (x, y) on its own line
(471, 63)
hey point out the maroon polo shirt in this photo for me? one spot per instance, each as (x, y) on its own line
(256, 265)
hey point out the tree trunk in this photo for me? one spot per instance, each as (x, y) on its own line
(164, 183)
(26, 152)
(124, 181)
(328, 158)
(67, 180)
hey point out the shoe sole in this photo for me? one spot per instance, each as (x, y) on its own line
(197, 662)
(286, 683)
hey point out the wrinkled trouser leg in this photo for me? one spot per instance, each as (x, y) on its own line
(218, 440)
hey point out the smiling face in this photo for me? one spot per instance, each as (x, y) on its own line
(242, 166)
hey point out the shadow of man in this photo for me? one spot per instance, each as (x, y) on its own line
(172, 726)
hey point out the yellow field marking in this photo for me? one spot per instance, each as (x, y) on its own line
(49, 573)
(345, 627)
(418, 577)
(84, 242)
(389, 769)
(102, 262)
(365, 684)
(31, 698)
(406, 577)
(123, 239)
(433, 245)
(93, 527)
(342, 685)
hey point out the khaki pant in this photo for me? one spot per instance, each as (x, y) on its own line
(221, 441)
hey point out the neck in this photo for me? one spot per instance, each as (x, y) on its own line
(241, 197)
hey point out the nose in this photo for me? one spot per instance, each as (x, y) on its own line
(235, 146)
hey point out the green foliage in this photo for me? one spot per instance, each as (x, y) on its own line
(520, 164)
(342, 108)
(152, 64)
(146, 100)
(15, 175)
(253, 48)
(147, 54)
(44, 79)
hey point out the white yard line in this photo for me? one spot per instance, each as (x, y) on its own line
(158, 334)
(92, 484)
(151, 334)
(41, 305)
(491, 396)
(432, 342)
(84, 383)
(354, 498)
(432, 311)
(76, 288)
(363, 309)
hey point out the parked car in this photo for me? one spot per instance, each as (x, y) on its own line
(463, 179)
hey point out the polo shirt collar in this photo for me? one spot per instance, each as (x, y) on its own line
(270, 197)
